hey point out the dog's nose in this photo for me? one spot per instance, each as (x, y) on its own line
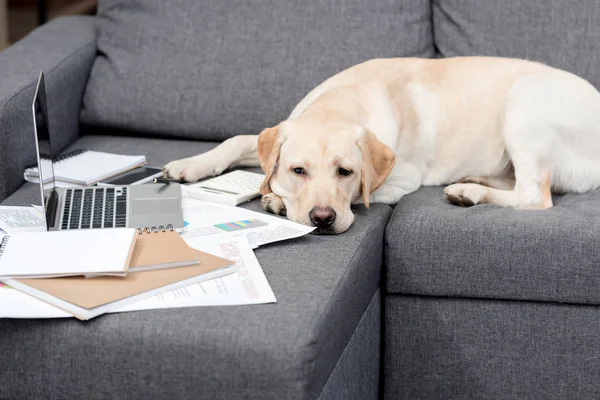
(322, 217)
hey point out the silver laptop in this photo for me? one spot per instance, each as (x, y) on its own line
(152, 206)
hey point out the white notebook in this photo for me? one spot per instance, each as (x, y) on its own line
(67, 253)
(85, 167)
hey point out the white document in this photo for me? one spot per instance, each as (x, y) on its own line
(15, 304)
(211, 220)
(21, 219)
(248, 285)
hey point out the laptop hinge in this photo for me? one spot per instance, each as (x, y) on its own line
(52, 208)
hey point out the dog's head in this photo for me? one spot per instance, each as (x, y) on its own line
(319, 168)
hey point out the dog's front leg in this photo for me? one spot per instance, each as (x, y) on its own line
(273, 203)
(238, 151)
(403, 179)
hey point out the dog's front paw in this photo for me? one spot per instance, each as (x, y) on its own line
(465, 194)
(193, 169)
(175, 169)
(273, 203)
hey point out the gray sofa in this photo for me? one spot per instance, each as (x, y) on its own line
(423, 300)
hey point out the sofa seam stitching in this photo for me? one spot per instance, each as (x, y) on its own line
(362, 317)
(336, 290)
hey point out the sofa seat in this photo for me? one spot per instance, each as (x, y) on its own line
(492, 303)
(438, 249)
(328, 304)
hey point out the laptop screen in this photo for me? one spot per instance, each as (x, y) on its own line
(44, 152)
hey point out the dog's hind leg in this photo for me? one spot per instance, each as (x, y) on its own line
(504, 180)
(536, 196)
(238, 151)
(529, 133)
(492, 182)
(531, 188)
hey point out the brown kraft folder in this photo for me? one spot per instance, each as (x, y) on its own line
(161, 250)
(97, 291)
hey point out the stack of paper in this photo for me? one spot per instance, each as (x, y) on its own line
(87, 298)
(246, 285)
(90, 272)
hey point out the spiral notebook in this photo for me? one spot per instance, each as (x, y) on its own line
(67, 253)
(84, 167)
(158, 249)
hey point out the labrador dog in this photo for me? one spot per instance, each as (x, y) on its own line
(499, 131)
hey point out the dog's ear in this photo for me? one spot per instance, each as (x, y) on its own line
(377, 162)
(269, 145)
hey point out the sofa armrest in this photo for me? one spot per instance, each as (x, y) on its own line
(64, 49)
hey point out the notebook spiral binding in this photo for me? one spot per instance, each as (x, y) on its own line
(147, 230)
(68, 155)
(3, 244)
(58, 158)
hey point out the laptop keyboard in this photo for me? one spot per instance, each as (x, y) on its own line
(95, 208)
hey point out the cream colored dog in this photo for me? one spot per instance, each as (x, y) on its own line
(509, 131)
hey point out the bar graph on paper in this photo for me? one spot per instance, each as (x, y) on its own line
(239, 225)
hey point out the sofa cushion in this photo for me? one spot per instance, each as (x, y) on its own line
(563, 34)
(434, 248)
(211, 69)
(445, 348)
(287, 350)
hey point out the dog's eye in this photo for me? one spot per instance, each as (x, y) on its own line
(298, 170)
(344, 172)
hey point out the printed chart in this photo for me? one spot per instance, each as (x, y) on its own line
(239, 225)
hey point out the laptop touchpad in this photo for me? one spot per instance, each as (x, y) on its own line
(156, 206)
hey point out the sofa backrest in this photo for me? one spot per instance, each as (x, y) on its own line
(212, 69)
(561, 33)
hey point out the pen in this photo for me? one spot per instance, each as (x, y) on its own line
(165, 180)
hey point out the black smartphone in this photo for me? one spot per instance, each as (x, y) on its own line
(136, 176)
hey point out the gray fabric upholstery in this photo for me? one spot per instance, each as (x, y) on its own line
(438, 348)
(64, 49)
(356, 374)
(563, 34)
(435, 248)
(284, 350)
(212, 69)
